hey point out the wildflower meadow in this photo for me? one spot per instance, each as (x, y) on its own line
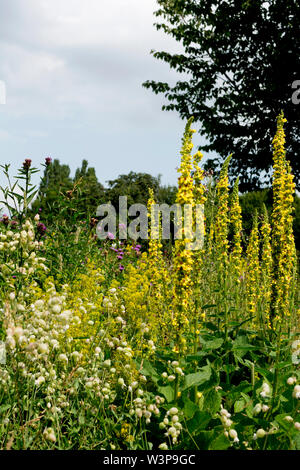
(128, 344)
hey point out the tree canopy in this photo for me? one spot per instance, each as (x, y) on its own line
(240, 59)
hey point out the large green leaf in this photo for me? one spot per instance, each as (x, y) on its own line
(197, 378)
(220, 443)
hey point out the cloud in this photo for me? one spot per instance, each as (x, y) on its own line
(73, 72)
(56, 51)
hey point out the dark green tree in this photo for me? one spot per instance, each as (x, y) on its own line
(91, 192)
(240, 59)
(134, 186)
(54, 184)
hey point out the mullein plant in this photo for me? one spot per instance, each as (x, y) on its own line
(253, 273)
(266, 267)
(157, 269)
(155, 259)
(221, 239)
(222, 219)
(236, 262)
(283, 244)
(183, 257)
(199, 221)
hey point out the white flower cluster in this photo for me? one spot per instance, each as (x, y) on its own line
(35, 334)
(266, 390)
(227, 423)
(142, 408)
(259, 407)
(23, 241)
(296, 352)
(174, 370)
(172, 425)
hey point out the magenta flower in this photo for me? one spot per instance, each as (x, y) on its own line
(5, 219)
(41, 228)
(27, 164)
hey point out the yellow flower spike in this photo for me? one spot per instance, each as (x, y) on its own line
(236, 223)
(222, 218)
(266, 267)
(253, 270)
(183, 257)
(283, 243)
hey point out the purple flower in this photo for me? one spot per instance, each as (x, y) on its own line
(5, 219)
(27, 164)
(41, 228)
(110, 236)
(121, 267)
(119, 257)
(48, 161)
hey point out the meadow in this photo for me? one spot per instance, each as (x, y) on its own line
(118, 345)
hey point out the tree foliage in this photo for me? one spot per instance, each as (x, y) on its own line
(239, 61)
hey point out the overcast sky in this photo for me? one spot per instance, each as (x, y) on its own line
(73, 72)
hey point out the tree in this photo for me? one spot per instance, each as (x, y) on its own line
(92, 193)
(55, 182)
(56, 185)
(135, 186)
(240, 59)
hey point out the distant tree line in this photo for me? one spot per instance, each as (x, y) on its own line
(83, 193)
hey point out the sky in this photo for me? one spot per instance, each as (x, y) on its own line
(73, 73)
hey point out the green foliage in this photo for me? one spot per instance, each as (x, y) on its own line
(255, 200)
(134, 186)
(238, 62)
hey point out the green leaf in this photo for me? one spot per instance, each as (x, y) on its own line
(212, 401)
(167, 392)
(220, 443)
(214, 344)
(296, 440)
(4, 408)
(239, 406)
(148, 370)
(81, 419)
(211, 326)
(199, 421)
(204, 439)
(189, 408)
(284, 424)
(198, 378)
